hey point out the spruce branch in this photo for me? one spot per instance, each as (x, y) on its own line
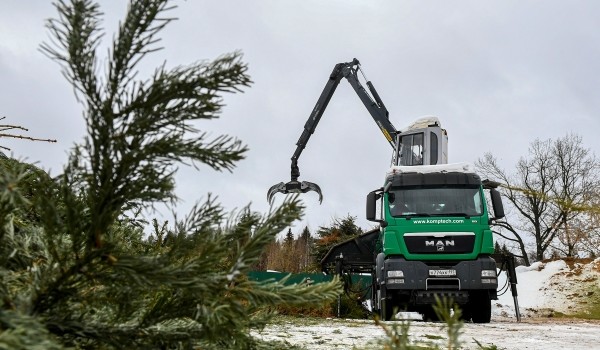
(136, 38)
(74, 37)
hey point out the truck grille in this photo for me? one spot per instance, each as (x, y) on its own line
(439, 244)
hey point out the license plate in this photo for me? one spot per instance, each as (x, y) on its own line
(442, 273)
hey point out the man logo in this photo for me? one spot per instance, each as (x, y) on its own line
(440, 244)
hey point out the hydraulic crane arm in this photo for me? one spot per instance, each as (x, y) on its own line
(374, 105)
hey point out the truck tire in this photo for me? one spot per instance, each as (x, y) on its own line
(387, 309)
(386, 304)
(466, 312)
(428, 313)
(481, 307)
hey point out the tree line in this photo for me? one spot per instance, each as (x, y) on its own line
(553, 200)
(303, 252)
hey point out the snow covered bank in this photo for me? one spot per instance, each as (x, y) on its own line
(547, 288)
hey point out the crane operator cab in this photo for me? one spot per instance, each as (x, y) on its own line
(424, 142)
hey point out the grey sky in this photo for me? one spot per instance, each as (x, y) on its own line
(498, 74)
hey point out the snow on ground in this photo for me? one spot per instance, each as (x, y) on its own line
(531, 282)
(530, 334)
(545, 290)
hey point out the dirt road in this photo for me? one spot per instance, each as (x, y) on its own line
(504, 333)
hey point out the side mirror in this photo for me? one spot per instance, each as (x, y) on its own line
(497, 204)
(372, 198)
(371, 203)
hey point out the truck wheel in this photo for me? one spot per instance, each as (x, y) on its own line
(387, 309)
(429, 314)
(386, 304)
(481, 307)
(466, 312)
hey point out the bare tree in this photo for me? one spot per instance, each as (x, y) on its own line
(580, 237)
(575, 189)
(591, 243)
(550, 189)
(581, 234)
(8, 131)
(519, 190)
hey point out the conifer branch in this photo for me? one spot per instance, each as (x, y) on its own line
(86, 273)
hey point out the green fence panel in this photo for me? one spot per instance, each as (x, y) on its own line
(295, 278)
(363, 281)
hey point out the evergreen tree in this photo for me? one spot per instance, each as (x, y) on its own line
(289, 238)
(305, 235)
(340, 231)
(305, 246)
(83, 275)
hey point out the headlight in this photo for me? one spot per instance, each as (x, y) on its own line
(488, 281)
(395, 273)
(488, 273)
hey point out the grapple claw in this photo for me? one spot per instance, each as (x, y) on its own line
(294, 187)
(280, 187)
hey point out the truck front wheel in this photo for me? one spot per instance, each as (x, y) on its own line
(480, 307)
(387, 309)
(429, 314)
(386, 304)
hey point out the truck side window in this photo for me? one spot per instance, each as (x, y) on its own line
(477, 201)
(433, 148)
(417, 149)
(411, 149)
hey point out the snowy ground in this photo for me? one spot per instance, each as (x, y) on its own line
(545, 291)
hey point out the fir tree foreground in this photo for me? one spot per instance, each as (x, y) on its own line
(76, 270)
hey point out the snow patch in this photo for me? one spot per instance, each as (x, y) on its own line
(426, 169)
(422, 123)
(545, 288)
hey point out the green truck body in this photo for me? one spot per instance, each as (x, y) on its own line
(434, 241)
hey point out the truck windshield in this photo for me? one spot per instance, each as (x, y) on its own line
(435, 201)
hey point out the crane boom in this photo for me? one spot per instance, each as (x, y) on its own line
(372, 102)
(374, 105)
(422, 143)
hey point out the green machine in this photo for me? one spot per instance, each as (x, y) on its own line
(434, 238)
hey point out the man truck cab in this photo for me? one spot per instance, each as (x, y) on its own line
(435, 240)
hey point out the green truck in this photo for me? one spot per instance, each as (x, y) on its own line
(435, 240)
(434, 237)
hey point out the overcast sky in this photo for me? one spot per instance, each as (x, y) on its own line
(498, 74)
